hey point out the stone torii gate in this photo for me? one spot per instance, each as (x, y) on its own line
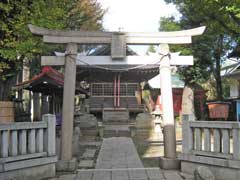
(118, 42)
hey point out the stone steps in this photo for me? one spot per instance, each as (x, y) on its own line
(124, 173)
(115, 115)
(88, 159)
(116, 131)
(86, 164)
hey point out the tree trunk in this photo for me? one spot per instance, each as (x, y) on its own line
(218, 78)
(6, 89)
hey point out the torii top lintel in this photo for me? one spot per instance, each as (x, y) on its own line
(101, 37)
(118, 40)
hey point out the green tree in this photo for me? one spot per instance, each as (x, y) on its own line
(222, 19)
(18, 44)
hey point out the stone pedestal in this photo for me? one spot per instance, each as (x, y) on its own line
(169, 163)
(67, 165)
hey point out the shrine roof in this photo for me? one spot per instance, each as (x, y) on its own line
(100, 73)
(232, 71)
(49, 81)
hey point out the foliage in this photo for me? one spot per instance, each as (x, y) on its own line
(222, 20)
(16, 41)
(18, 44)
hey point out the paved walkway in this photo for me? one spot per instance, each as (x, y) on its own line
(118, 160)
(118, 152)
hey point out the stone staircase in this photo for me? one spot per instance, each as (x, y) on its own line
(113, 130)
(115, 115)
(88, 157)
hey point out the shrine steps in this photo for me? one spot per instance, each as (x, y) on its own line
(116, 131)
(115, 115)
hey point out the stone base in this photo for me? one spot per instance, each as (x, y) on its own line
(36, 173)
(67, 165)
(220, 173)
(166, 163)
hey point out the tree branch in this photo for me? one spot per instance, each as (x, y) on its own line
(223, 24)
(234, 18)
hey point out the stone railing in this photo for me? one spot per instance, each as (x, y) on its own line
(211, 142)
(27, 144)
(212, 138)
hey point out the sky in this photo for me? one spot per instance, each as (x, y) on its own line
(135, 15)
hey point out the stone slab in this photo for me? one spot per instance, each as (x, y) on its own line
(121, 174)
(87, 143)
(86, 164)
(154, 174)
(36, 173)
(187, 176)
(220, 173)
(118, 152)
(67, 177)
(84, 175)
(100, 175)
(68, 166)
(89, 153)
(137, 174)
(28, 163)
(171, 175)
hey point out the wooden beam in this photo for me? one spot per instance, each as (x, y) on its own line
(107, 60)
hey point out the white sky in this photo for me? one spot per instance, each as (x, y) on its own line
(135, 15)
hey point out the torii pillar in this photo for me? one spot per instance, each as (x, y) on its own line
(169, 160)
(68, 101)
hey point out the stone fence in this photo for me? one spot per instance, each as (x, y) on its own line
(28, 148)
(215, 144)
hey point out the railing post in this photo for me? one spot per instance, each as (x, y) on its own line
(217, 140)
(50, 134)
(23, 142)
(14, 143)
(39, 140)
(5, 144)
(236, 143)
(187, 135)
(198, 138)
(207, 139)
(225, 141)
(32, 141)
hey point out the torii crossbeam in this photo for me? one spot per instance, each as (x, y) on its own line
(118, 42)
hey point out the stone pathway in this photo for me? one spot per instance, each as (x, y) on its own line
(118, 152)
(118, 160)
(126, 174)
